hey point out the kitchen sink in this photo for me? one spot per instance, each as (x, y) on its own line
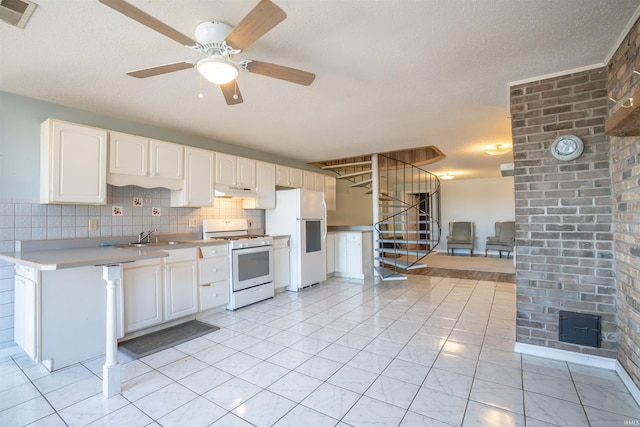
(145, 244)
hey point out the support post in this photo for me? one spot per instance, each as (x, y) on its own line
(375, 193)
(111, 367)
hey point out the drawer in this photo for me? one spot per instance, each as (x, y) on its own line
(213, 295)
(213, 269)
(179, 255)
(28, 272)
(214, 251)
(141, 263)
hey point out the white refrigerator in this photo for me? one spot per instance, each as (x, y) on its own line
(301, 214)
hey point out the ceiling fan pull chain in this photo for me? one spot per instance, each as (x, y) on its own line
(200, 94)
(235, 89)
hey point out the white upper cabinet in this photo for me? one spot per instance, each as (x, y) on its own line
(288, 177)
(295, 177)
(128, 154)
(166, 160)
(136, 160)
(313, 181)
(235, 171)
(282, 176)
(265, 187)
(226, 169)
(330, 192)
(73, 161)
(246, 172)
(197, 189)
(309, 181)
(318, 180)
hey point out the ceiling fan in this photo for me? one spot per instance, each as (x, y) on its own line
(220, 43)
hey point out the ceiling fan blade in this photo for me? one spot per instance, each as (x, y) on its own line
(161, 69)
(148, 20)
(263, 17)
(280, 72)
(231, 93)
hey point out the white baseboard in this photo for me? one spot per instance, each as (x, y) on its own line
(582, 359)
(628, 382)
(566, 356)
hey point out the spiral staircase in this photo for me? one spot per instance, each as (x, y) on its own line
(406, 214)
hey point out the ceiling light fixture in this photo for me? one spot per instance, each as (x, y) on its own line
(446, 175)
(498, 149)
(217, 69)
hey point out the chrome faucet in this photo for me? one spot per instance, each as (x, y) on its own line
(146, 235)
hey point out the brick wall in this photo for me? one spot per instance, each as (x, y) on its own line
(622, 83)
(564, 219)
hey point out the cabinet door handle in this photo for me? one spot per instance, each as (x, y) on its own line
(206, 286)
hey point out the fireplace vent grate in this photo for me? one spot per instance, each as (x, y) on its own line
(579, 328)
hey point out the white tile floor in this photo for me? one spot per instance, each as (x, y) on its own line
(425, 352)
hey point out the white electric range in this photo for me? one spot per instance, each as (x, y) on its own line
(251, 260)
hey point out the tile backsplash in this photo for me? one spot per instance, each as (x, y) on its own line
(26, 220)
(136, 209)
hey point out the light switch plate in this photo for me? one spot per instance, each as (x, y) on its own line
(193, 222)
(93, 225)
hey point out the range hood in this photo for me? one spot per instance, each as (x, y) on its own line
(235, 191)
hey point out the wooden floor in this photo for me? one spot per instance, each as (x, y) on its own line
(463, 274)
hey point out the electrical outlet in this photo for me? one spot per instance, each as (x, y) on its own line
(193, 222)
(93, 225)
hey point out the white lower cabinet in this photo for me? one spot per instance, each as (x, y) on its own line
(25, 306)
(281, 263)
(213, 277)
(331, 253)
(157, 291)
(180, 293)
(47, 329)
(142, 288)
(353, 254)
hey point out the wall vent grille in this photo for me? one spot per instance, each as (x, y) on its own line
(16, 12)
(578, 328)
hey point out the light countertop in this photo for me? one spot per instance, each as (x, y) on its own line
(72, 253)
(80, 257)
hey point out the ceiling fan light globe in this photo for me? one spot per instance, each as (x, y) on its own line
(217, 70)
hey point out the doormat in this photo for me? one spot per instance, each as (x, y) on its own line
(161, 340)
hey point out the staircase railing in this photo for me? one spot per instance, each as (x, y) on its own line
(409, 216)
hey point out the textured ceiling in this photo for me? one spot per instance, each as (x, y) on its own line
(391, 74)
